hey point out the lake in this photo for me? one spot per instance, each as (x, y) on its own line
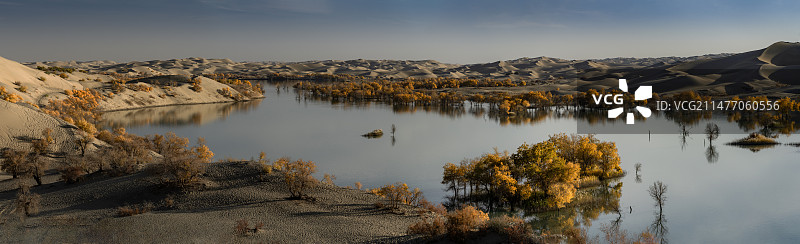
(737, 196)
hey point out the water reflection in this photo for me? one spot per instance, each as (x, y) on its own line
(687, 121)
(198, 114)
(711, 154)
(659, 226)
(638, 179)
(588, 205)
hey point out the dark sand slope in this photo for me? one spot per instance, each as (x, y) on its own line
(87, 212)
(772, 71)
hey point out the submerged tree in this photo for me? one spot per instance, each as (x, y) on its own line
(657, 191)
(712, 132)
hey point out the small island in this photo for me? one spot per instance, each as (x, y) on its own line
(374, 134)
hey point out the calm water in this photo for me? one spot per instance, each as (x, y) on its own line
(742, 197)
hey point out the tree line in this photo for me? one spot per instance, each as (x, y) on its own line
(544, 175)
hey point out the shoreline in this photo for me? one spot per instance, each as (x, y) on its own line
(178, 104)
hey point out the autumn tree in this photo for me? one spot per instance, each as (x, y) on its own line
(543, 167)
(505, 186)
(465, 220)
(36, 162)
(74, 167)
(453, 176)
(609, 159)
(83, 142)
(399, 193)
(181, 165)
(298, 178)
(14, 162)
(127, 152)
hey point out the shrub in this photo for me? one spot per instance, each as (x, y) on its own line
(22, 88)
(140, 87)
(513, 228)
(226, 92)
(116, 160)
(328, 179)
(359, 185)
(399, 194)
(132, 210)
(85, 126)
(117, 86)
(83, 142)
(587, 181)
(429, 226)
(465, 220)
(56, 69)
(169, 202)
(79, 105)
(243, 87)
(180, 165)
(196, 85)
(27, 201)
(127, 151)
(17, 83)
(242, 227)
(14, 162)
(73, 168)
(298, 177)
(266, 168)
(430, 207)
(63, 75)
(42, 78)
(9, 97)
(105, 136)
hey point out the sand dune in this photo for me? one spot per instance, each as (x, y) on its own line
(21, 124)
(769, 71)
(14, 76)
(756, 72)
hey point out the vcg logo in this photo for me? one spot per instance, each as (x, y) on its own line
(642, 93)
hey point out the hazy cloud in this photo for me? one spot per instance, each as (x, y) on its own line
(517, 25)
(256, 6)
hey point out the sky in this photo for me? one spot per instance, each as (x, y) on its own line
(452, 31)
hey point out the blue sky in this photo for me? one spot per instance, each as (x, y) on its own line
(458, 31)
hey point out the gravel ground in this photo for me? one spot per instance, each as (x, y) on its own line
(88, 212)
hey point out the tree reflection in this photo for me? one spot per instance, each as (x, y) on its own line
(659, 228)
(588, 206)
(638, 168)
(196, 114)
(682, 135)
(711, 154)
